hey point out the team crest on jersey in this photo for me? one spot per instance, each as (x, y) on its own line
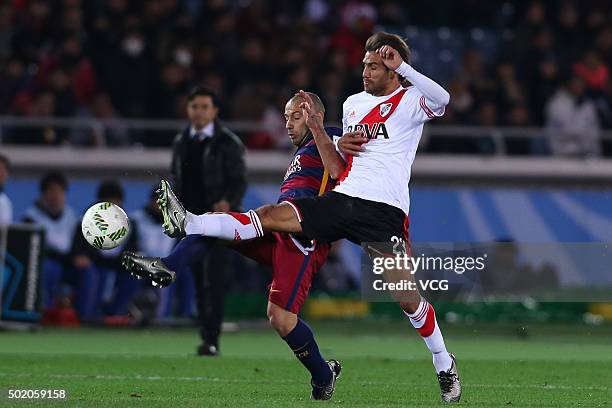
(385, 108)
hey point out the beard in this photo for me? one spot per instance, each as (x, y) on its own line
(374, 89)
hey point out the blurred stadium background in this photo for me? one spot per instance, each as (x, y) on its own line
(97, 90)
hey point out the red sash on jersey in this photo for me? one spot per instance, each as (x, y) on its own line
(380, 113)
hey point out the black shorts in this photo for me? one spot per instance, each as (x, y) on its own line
(334, 216)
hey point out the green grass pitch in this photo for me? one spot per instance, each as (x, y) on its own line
(384, 364)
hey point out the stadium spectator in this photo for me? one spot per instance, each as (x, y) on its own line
(518, 116)
(12, 77)
(59, 222)
(101, 107)
(33, 30)
(6, 208)
(486, 114)
(572, 123)
(357, 22)
(592, 71)
(59, 85)
(6, 30)
(473, 71)
(604, 43)
(462, 102)
(569, 32)
(534, 18)
(42, 104)
(128, 74)
(544, 84)
(97, 269)
(509, 90)
(331, 88)
(210, 175)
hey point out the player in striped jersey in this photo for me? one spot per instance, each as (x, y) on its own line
(294, 259)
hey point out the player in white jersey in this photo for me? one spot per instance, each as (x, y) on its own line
(392, 125)
(370, 202)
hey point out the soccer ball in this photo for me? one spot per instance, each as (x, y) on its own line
(105, 225)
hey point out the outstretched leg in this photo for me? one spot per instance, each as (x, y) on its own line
(231, 226)
(234, 226)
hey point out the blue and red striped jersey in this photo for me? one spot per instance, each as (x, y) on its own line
(305, 173)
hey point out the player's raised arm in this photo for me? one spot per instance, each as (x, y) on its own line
(332, 161)
(436, 96)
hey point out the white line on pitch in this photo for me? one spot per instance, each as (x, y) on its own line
(228, 380)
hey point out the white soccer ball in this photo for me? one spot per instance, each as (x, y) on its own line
(105, 225)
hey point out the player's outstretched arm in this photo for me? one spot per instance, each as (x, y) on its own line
(314, 120)
(436, 96)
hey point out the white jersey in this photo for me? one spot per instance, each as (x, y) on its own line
(59, 232)
(393, 124)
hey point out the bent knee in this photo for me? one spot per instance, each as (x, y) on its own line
(277, 319)
(282, 321)
(279, 217)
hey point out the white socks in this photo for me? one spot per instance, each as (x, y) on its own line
(232, 226)
(424, 320)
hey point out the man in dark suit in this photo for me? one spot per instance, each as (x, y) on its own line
(210, 175)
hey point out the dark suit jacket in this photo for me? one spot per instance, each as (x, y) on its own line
(223, 172)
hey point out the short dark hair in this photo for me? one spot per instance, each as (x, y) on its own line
(317, 102)
(109, 189)
(393, 40)
(203, 91)
(4, 160)
(53, 177)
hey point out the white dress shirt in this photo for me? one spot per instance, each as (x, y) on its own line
(206, 131)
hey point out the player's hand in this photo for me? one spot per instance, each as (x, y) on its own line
(351, 143)
(221, 206)
(313, 119)
(390, 57)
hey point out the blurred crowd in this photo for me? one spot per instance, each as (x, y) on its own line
(548, 66)
(81, 284)
(84, 284)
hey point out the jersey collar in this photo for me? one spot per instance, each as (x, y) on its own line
(399, 88)
(307, 139)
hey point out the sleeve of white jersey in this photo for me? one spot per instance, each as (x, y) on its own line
(415, 105)
(428, 99)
